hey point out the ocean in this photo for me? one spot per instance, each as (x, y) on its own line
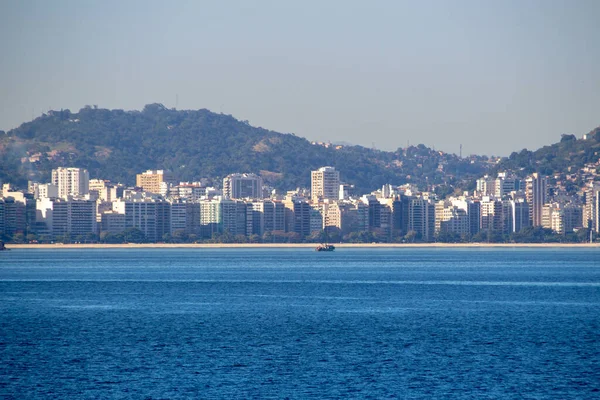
(413, 323)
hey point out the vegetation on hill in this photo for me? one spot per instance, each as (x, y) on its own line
(567, 156)
(117, 144)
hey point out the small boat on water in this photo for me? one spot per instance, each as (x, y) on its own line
(2, 246)
(325, 247)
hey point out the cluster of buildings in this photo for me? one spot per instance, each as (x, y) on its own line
(81, 208)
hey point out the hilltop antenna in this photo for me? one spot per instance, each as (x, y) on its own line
(460, 153)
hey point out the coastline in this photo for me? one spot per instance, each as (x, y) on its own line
(295, 245)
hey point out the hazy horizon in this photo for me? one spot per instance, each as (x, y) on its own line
(495, 77)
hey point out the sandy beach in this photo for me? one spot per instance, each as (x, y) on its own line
(295, 245)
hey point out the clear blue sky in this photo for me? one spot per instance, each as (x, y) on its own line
(496, 76)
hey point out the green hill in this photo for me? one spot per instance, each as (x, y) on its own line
(567, 156)
(117, 144)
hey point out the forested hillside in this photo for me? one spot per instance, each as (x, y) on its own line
(568, 155)
(117, 144)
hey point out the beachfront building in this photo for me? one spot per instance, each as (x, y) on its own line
(67, 216)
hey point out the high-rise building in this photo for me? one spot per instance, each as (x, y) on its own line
(504, 184)
(473, 210)
(596, 211)
(339, 218)
(562, 218)
(591, 215)
(268, 216)
(242, 186)
(536, 192)
(219, 215)
(486, 186)
(12, 216)
(150, 181)
(519, 214)
(151, 216)
(573, 217)
(325, 184)
(71, 181)
(297, 216)
(552, 217)
(67, 216)
(421, 218)
(491, 214)
(450, 218)
(185, 217)
(317, 217)
(112, 222)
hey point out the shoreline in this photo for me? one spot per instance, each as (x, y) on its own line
(295, 245)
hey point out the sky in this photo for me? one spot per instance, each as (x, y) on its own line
(494, 76)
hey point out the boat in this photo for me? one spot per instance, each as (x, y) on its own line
(2, 246)
(325, 247)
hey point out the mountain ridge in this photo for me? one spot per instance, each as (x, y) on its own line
(117, 144)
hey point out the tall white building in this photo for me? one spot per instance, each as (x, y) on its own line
(325, 184)
(536, 193)
(71, 181)
(421, 218)
(519, 214)
(491, 214)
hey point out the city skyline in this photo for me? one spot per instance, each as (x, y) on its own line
(502, 208)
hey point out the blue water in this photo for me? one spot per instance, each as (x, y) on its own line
(294, 323)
